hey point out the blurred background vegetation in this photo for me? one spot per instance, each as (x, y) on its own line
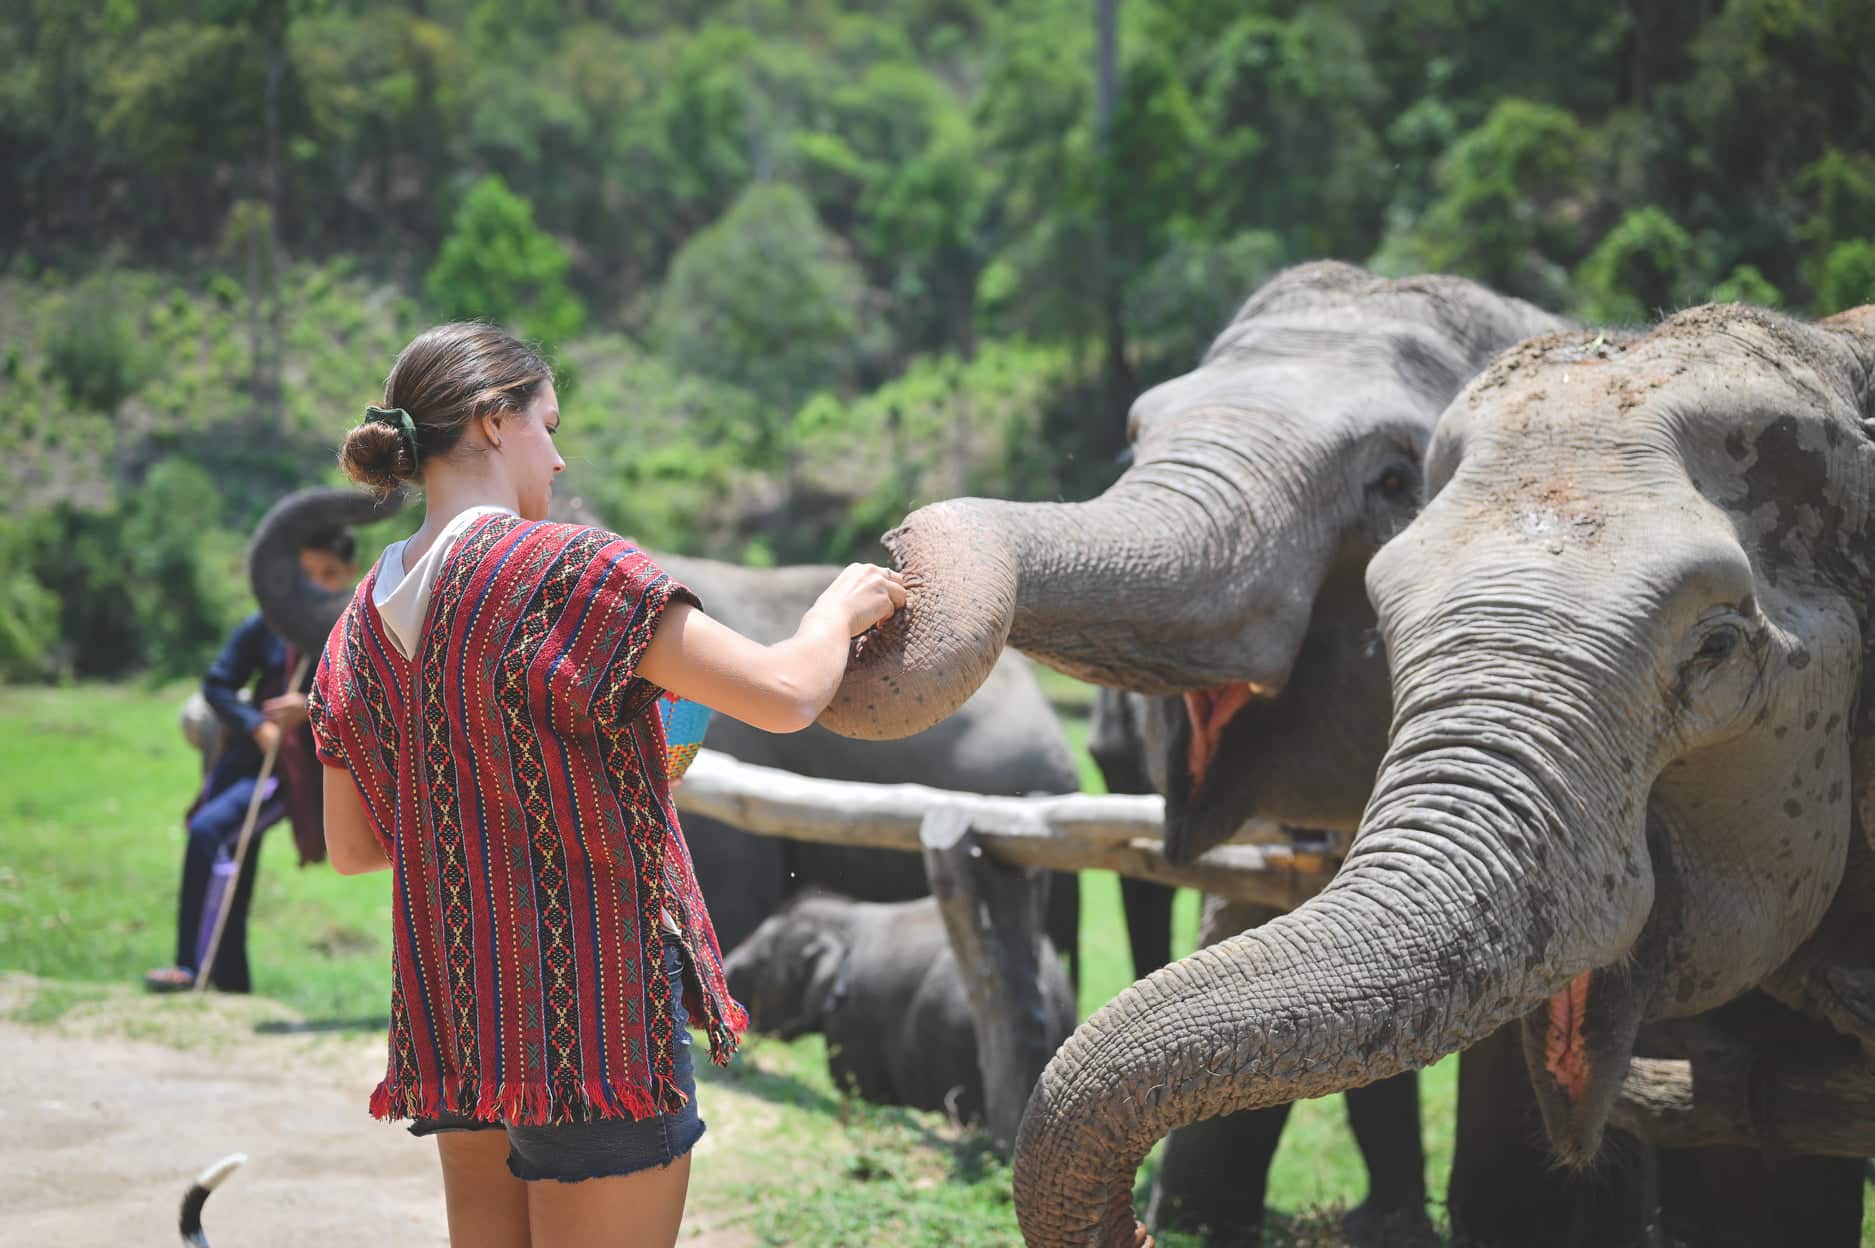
(804, 265)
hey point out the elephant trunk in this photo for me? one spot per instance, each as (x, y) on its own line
(1436, 933)
(292, 606)
(1148, 587)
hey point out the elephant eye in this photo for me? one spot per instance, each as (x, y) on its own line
(1393, 484)
(1717, 646)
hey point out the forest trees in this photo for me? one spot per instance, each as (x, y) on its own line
(757, 230)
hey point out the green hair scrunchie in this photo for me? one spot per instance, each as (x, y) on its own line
(398, 419)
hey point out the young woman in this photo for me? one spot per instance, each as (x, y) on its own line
(485, 711)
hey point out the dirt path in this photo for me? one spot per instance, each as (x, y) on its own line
(101, 1132)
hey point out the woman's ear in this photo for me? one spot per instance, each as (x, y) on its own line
(491, 426)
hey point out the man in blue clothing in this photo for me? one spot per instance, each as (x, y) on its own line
(274, 720)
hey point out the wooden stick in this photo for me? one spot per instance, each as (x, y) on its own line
(240, 845)
(1072, 832)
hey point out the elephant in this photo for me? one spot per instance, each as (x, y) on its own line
(1625, 789)
(1006, 741)
(883, 984)
(1216, 1175)
(1118, 748)
(1224, 569)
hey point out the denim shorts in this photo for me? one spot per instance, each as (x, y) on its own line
(607, 1147)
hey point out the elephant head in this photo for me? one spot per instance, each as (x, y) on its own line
(1627, 638)
(1225, 564)
(294, 607)
(789, 972)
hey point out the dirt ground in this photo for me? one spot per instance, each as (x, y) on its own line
(107, 1121)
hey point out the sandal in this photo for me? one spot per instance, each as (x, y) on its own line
(169, 979)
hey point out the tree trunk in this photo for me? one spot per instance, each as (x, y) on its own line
(1121, 386)
(271, 397)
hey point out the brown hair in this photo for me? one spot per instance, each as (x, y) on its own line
(445, 378)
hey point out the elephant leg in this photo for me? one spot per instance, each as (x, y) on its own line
(1214, 1176)
(1734, 1197)
(1506, 1191)
(1385, 1120)
(1062, 920)
(1148, 908)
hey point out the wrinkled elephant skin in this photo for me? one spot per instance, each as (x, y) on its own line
(1627, 640)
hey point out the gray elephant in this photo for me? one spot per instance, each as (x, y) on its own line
(1006, 741)
(882, 983)
(1629, 640)
(1224, 567)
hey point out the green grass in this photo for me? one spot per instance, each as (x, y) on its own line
(90, 846)
(91, 838)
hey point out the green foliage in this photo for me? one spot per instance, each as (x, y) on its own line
(766, 299)
(1510, 194)
(176, 97)
(29, 613)
(1745, 284)
(1185, 297)
(1848, 278)
(728, 217)
(898, 166)
(946, 427)
(498, 265)
(656, 451)
(1645, 267)
(1841, 186)
(186, 576)
(94, 350)
(150, 583)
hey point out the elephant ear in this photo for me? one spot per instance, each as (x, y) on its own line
(826, 956)
(1858, 325)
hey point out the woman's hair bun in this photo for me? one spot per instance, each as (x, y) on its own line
(376, 456)
(447, 376)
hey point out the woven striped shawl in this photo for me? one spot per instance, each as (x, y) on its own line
(514, 773)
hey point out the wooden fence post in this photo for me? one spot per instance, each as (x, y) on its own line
(993, 914)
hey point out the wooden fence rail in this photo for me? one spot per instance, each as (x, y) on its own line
(1071, 832)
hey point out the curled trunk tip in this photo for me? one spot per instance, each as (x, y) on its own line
(927, 660)
(1300, 1007)
(291, 605)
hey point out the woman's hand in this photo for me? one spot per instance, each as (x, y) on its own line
(862, 596)
(778, 688)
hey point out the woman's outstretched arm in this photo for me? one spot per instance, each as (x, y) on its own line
(778, 688)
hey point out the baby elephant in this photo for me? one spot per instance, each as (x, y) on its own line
(880, 980)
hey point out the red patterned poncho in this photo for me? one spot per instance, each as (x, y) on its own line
(514, 774)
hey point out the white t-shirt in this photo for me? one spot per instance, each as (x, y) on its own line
(402, 594)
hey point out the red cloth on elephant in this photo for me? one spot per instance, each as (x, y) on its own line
(513, 770)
